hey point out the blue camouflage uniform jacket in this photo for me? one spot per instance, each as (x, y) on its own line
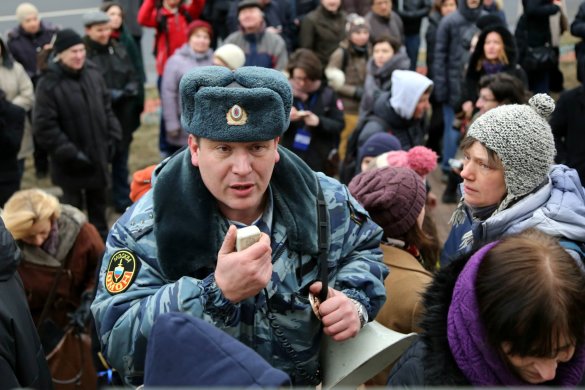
(161, 254)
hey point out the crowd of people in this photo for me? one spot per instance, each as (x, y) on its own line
(318, 122)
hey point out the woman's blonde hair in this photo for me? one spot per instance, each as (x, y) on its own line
(27, 207)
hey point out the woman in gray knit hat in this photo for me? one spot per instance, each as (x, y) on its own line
(510, 182)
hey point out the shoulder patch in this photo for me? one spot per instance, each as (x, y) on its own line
(122, 270)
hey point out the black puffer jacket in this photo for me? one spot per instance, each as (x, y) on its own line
(450, 52)
(22, 359)
(73, 114)
(470, 83)
(429, 362)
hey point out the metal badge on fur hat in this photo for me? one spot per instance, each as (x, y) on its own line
(522, 138)
(244, 105)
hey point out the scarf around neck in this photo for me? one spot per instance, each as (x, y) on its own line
(478, 361)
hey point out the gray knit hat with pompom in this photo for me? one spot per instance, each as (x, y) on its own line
(522, 138)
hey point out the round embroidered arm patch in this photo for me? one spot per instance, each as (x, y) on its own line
(121, 272)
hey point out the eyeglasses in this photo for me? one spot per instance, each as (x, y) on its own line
(486, 99)
(298, 79)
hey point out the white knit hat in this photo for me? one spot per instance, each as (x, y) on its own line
(24, 10)
(231, 55)
(522, 138)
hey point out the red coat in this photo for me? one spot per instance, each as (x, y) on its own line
(176, 27)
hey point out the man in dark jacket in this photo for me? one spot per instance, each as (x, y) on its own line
(22, 359)
(447, 69)
(123, 83)
(74, 121)
(412, 12)
(29, 37)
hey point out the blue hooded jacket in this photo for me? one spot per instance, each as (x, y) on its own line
(557, 209)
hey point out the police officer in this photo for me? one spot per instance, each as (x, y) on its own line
(174, 250)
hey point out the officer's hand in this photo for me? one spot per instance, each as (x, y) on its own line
(240, 275)
(338, 314)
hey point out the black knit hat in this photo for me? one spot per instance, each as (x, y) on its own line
(65, 39)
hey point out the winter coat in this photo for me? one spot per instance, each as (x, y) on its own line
(264, 48)
(412, 13)
(322, 31)
(533, 27)
(22, 359)
(123, 82)
(379, 79)
(359, 7)
(410, 132)
(469, 89)
(429, 361)
(567, 127)
(431, 38)
(450, 53)
(184, 59)
(11, 131)
(557, 209)
(578, 30)
(405, 285)
(165, 275)
(170, 27)
(80, 247)
(382, 26)
(277, 14)
(352, 62)
(131, 9)
(73, 114)
(18, 88)
(25, 47)
(325, 137)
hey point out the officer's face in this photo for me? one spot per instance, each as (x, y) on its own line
(236, 173)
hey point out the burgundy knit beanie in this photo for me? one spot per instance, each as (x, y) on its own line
(394, 197)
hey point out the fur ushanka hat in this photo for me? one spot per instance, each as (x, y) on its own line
(244, 105)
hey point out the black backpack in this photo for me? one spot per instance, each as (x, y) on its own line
(348, 166)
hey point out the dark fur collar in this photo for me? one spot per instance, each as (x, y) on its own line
(189, 229)
(440, 367)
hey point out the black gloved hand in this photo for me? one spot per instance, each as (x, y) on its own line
(116, 94)
(81, 163)
(359, 92)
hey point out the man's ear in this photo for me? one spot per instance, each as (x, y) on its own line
(194, 149)
(277, 156)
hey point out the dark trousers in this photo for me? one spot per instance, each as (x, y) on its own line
(120, 185)
(95, 200)
(412, 44)
(41, 159)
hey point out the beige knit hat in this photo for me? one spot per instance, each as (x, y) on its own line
(24, 10)
(231, 55)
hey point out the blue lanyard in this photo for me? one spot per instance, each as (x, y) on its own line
(312, 102)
